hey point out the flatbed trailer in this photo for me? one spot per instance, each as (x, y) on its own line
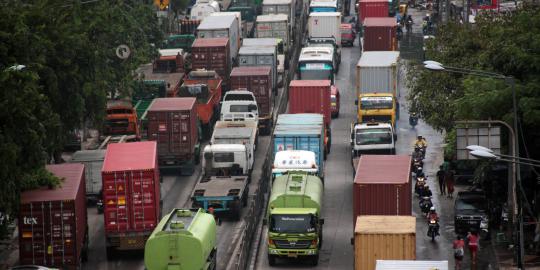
(222, 193)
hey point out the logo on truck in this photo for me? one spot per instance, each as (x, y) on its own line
(30, 221)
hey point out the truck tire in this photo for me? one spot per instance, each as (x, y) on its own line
(271, 260)
(314, 260)
(235, 210)
(111, 253)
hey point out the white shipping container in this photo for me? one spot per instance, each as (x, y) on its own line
(238, 15)
(378, 72)
(411, 265)
(325, 24)
(203, 9)
(273, 26)
(222, 26)
(286, 7)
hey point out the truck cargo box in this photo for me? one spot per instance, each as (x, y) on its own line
(93, 161)
(378, 72)
(325, 24)
(382, 186)
(250, 56)
(53, 226)
(274, 26)
(131, 194)
(287, 7)
(410, 265)
(310, 96)
(222, 27)
(380, 34)
(372, 8)
(383, 238)
(213, 54)
(172, 122)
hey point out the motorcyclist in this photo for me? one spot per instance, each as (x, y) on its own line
(413, 119)
(417, 154)
(420, 142)
(408, 23)
(432, 215)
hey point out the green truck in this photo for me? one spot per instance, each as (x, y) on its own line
(183, 240)
(294, 217)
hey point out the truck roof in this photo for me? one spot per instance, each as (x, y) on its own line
(380, 21)
(272, 18)
(276, 2)
(261, 50)
(88, 155)
(310, 83)
(316, 53)
(297, 185)
(296, 159)
(326, 14)
(383, 169)
(71, 175)
(300, 119)
(378, 59)
(373, 125)
(385, 225)
(251, 71)
(323, 3)
(173, 104)
(260, 42)
(217, 22)
(410, 265)
(130, 156)
(210, 42)
(171, 52)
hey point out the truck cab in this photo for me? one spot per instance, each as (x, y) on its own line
(121, 119)
(327, 42)
(379, 107)
(316, 63)
(294, 161)
(323, 6)
(227, 160)
(372, 138)
(239, 105)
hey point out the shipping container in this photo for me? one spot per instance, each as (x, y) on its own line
(372, 9)
(378, 72)
(380, 34)
(310, 96)
(53, 222)
(131, 195)
(382, 186)
(286, 7)
(222, 27)
(383, 238)
(238, 16)
(411, 265)
(250, 56)
(274, 26)
(203, 9)
(213, 54)
(172, 122)
(93, 161)
(325, 24)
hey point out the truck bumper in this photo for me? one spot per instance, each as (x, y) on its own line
(292, 253)
(129, 241)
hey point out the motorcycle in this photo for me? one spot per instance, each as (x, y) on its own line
(419, 185)
(433, 229)
(422, 150)
(413, 120)
(425, 204)
(418, 163)
(408, 25)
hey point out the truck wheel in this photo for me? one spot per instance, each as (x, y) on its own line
(110, 253)
(314, 260)
(271, 260)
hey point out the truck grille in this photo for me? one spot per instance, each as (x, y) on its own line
(300, 244)
(377, 118)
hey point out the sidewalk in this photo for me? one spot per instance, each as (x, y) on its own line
(9, 248)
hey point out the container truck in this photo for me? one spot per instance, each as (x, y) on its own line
(131, 195)
(120, 120)
(410, 265)
(327, 42)
(205, 86)
(249, 10)
(316, 63)
(293, 161)
(239, 105)
(286, 7)
(183, 41)
(203, 9)
(227, 165)
(382, 186)
(372, 9)
(184, 239)
(274, 26)
(93, 161)
(213, 54)
(323, 6)
(282, 64)
(250, 56)
(53, 222)
(372, 138)
(246, 27)
(172, 123)
(222, 27)
(325, 24)
(294, 217)
(302, 131)
(380, 34)
(311, 96)
(257, 80)
(383, 238)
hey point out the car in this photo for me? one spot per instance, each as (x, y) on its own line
(348, 35)
(334, 101)
(470, 212)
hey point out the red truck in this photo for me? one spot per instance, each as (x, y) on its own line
(382, 186)
(172, 123)
(205, 85)
(213, 54)
(380, 34)
(257, 80)
(53, 223)
(131, 195)
(372, 8)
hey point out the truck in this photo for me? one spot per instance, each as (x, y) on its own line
(205, 86)
(93, 161)
(282, 64)
(120, 120)
(257, 80)
(382, 186)
(131, 195)
(182, 41)
(172, 123)
(227, 165)
(372, 9)
(311, 96)
(377, 87)
(184, 239)
(249, 10)
(53, 222)
(274, 26)
(213, 54)
(294, 217)
(239, 105)
(410, 264)
(316, 63)
(294, 160)
(203, 9)
(251, 56)
(323, 6)
(380, 34)
(327, 42)
(378, 237)
(246, 27)
(325, 24)
(287, 7)
(303, 131)
(222, 27)
(372, 138)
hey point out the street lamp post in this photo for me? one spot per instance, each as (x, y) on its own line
(436, 66)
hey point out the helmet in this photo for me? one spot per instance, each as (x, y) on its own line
(419, 137)
(432, 209)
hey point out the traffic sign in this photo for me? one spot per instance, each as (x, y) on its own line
(123, 51)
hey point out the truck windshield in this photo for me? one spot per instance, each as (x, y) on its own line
(241, 108)
(223, 157)
(373, 136)
(370, 103)
(322, 9)
(292, 223)
(246, 97)
(316, 71)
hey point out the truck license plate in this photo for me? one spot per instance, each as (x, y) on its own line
(292, 255)
(472, 222)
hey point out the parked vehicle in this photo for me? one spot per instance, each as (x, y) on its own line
(325, 24)
(293, 161)
(317, 63)
(383, 238)
(471, 213)
(372, 138)
(213, 54)
(222, 27)
(93, 161)
(53, 222)
(382, 186)
(183, 237)
(348, 35)
(239, 105)
(295, 223)
(323, 6)
(275, 26)
(380, 34)
(251, 56)
(334, 101)
(172, 123)
(203, 9)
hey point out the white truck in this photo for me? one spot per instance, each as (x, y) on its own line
(238, 15)
(203, 9)
(325, 24)
(294, 160)
(222, 26)
(239, 105)
(372, 138)
(287, 7)
(323, 6)
(274, 26)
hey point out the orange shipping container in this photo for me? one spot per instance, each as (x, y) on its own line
(383, 238)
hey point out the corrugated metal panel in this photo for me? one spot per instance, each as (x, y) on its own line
(213, 54)
(67, 191)
(374, 169)
(380, 34)
(93, 162)
(372, 8)
(325, 24)
(383, 238)
(217, 22)
(377, 72)
(130, 156)
(379, 21)
(411, 265)
(257, 80)
(310, 96)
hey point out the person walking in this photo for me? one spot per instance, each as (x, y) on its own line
(450, 181)
(472, 238)
(440, 177)
(459, 246)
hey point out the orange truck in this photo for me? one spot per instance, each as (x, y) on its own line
(121, 119)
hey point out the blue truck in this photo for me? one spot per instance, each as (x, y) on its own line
(303, 131)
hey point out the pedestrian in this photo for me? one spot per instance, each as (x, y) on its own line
(459, 245)
(450, 181)
(440, 177)
(472, 238)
